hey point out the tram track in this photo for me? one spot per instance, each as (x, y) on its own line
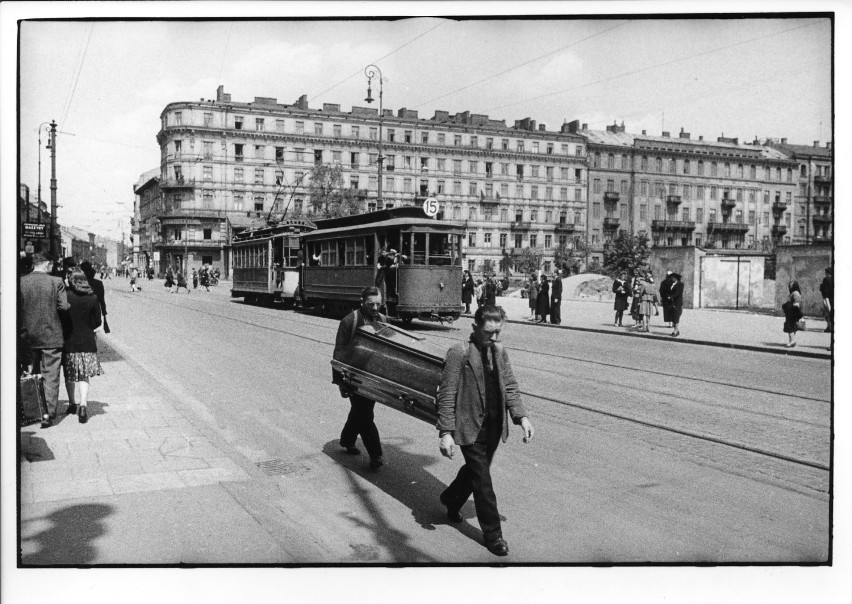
(655, 425)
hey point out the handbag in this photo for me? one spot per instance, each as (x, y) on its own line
(106, 325)
(801, 325)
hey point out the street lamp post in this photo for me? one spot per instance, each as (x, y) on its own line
(372, 71)
(38, 194)
(54, 240)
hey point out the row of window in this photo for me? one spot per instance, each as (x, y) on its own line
(685, 214)
(262, 124)
(689, 191)
(685, 166)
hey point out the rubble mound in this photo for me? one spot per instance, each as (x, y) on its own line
(594, 287)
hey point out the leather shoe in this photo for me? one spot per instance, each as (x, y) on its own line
(498, 547)
(83, 414)
(353, 450)
(376, 462)
(453, 511)
(72, 409)
(46, 422)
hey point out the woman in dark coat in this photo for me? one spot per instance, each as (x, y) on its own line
(621, 290)
(636, 292)
(98, 287)
(676, 298)
(542, 304)
(467, 291)
(532, 296)
(792, 312)
(80, 354)
(170, 279)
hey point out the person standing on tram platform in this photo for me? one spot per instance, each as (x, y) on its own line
(360, 419)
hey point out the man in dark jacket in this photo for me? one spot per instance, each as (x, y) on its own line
(360, 419)
(665, 297)
(556, 298)
(477, 390)
(41, 299)
(826, 288)
(676, 300)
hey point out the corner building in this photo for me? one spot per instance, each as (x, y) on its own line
(682, 191)
(226, 165)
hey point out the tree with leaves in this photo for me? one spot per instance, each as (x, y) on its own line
(487, 266)
(328, 197)
(570, 256)
(507, 263)
(628, 253)
(527, 261)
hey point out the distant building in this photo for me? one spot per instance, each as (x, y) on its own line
(227, 165)
(682, 191)
(815, 196)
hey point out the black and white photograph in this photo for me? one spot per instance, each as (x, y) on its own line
(533, 302)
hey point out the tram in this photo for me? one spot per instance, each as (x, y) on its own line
(415, 260)
(266, 262)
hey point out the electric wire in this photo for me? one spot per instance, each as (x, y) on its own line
(77, 77)
(649, 67)
(376, 61)
(525, 63)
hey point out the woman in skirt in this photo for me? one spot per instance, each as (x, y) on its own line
(80, 356)
(532, 296)
(792, 312)
(649, 299)
(636, 292)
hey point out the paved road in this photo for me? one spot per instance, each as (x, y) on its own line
(644, 451)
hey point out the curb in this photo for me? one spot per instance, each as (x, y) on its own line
(750, 347)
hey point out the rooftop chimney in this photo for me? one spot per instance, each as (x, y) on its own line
(701, 137)
(828, 145)
(666, 134)
(816, 143)
(571, 127)
(541, 128)
(683, 134)
(585, 127)
(783, 141)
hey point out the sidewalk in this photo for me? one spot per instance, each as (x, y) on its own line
(725, 328)
(93, 493)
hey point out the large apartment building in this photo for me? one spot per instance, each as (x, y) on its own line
(224, 163)
(814, 199)
(688, 191)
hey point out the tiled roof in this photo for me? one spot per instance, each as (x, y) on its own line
(803, 150)
(626, 139)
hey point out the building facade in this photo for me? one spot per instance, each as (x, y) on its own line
(814, 199)
(226, 165)
(682, 191)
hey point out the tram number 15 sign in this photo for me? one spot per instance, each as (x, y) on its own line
(430, 207)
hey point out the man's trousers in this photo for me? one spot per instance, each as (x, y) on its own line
(48, 362)
(360, 421)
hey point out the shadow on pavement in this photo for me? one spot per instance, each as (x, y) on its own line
(35, 449)
(70, 538)
(404, 478)
(106, 353)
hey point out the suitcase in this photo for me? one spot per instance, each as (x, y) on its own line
(33, 401)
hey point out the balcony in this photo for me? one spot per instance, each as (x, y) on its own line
(612, 197)
(732, 227)
(193, 213)
(672, 225)
(822, 199)
(728, 204)
(489, 199)
(822, 179)
(520, 225)
(779, 230)
(191, 243)
(611, 222)
(673, 200)
(779, 207)
(822, 218)
(178, 183)
(565, 227)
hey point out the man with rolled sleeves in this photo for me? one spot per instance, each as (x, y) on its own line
(477, 391)
(40, 300)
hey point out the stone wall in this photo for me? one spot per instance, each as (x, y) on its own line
(805, 264)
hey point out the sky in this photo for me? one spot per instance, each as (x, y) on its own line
(106, 82)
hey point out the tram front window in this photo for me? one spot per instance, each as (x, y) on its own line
(418, 249)
(439, 249)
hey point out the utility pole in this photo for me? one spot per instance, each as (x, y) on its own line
(54, 240)
(372, 71)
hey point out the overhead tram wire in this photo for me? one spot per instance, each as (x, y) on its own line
(361, 70)
(650, 67)
(518, 66)
(77, 77)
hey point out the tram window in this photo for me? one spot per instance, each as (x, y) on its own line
(369, 255)
(418, 255)
(439, 249)
(328, 255)
(355, 252)
(314, 254)
(457, 250)
(341, 251)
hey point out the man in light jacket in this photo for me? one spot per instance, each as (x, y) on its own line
(477, 390)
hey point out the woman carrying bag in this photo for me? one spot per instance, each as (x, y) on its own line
(648, 298)
(792, 313)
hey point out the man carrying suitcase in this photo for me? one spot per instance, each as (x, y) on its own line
(41, 298)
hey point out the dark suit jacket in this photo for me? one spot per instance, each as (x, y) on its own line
(84, 316)
(556, 290)
(461, 398)
(41, 299)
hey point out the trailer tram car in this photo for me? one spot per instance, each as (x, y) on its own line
(345, 255)
(266, 262)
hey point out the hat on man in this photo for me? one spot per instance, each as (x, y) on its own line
(676, 276)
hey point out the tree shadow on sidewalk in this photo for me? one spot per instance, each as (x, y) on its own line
(34, 448)
(405, 479)
(70, 538)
